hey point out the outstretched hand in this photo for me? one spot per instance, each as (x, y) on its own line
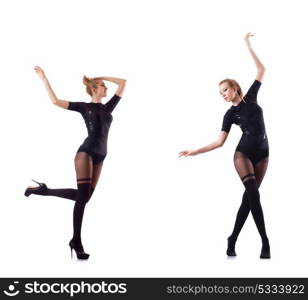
(187, 153)
(40, 72)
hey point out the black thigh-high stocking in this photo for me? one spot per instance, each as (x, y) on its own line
(247, 171)
(241, 217)
(253, 196)
(84, 169)
(83, 198)
(68, 193)
(87, 178)
(243, 212)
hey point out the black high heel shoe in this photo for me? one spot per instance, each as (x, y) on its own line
(265, 251)
(231, 247)
(40, 190)
(79, 251)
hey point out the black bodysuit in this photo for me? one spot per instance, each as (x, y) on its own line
(98, 118)
(249, 116)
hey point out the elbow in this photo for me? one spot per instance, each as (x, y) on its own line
(122, 83)
(260, 73)
(261, 70)
(220, 142)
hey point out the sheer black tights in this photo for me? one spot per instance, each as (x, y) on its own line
(251, 176)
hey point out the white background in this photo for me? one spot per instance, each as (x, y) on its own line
(152, 214)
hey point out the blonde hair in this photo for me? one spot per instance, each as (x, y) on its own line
(91, 83)
(234, 84)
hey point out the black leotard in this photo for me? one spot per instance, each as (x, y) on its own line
(249, 116)
(98, 118)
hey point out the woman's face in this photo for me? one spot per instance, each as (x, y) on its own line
(101, 90)
(228, 93)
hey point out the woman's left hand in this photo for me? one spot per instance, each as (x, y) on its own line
(188, 153)
(247, 36)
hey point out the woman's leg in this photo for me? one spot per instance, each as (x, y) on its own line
(243, 169)
(87, 178)
(84, 169)
(97, 169)
(252, 177)
(68, 193)
(259, 170)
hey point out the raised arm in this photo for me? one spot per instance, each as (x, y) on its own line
(259, 65)
(51, 94)
(218, 143)
(120, 82)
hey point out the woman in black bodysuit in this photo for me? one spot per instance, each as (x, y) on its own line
(91, 154)
(251, 155)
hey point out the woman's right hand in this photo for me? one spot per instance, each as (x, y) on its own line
(40, 72)
(188, 153)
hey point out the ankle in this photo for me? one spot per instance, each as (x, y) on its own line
(265, 242)
(232, 238)
(76, 243)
